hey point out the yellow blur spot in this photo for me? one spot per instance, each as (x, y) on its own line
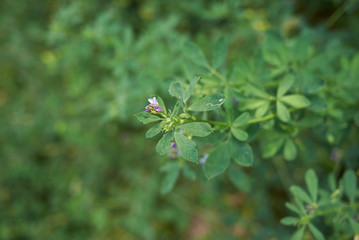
(260, 25)
(49, 59)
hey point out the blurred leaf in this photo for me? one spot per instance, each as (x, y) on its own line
(316, 233)
(271, 147)
(241, 120)
(239, 179)
(292, 207)
(239, 134)
(188, 172)
(312, 183)
(220, 52)
(282, 112)
(186, 147)
(290, 151)
(262, 110)
(176, 109)
(257, 92)
(354, 225)
(296, 100)
(350, 184)
(300, 193)
(192, 52)
(217, 161)
(146, 117)
(187, 94)
(298, 234)
(208, 103)
(153, 131)
(241, 152)
(161, 103)
(198, 129)
(170, 179)
(285, 85)
(164, 144)
(289, 221)
(176, 90)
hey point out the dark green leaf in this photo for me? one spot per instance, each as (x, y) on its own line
(208, 103)
(187, 94)
(188, 172)
(312, 183)
(316, 233)
(186, 147)
(176, 90)
(161, 103)
(164, 144)
(292, 207)
(176, 109)
(354, 225)
(169, 180)
(300, 193)
(241, 152)
(289, 221)
(153, 131)
(350, 185)
(298, 234)
(217, 161)
(220, 52)
(146, 117)
(198, 129)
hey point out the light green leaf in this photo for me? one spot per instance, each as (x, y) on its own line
(217, 161)
(289, 221)
(312, 183)
(220, 52)
(316, 233)
(271, 147)
(282, 112)
(292, 207)
(298, 235)
(239, 179)
(253, 103)
(285, 85)
(189, 91)
(350, 184)
(164, 143)
(198, 129)
(241, 120)
(176, 90)
(256, 91)
(239, 134)
(208, 103)
(300, 193)
(176, 109)
(188, 172)
(262, 110)
(153, 131)
(170, 179)
(289, 152)
(186, 147)
(193, 53)
(241, 152)
(296, 100)
(146, 117)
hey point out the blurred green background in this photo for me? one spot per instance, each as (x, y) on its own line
(74, 163)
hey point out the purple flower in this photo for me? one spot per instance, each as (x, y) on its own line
(173, 152)
(153, 107)
(203, 159)
(311, 207)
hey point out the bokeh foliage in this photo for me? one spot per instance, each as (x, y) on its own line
(74, 160)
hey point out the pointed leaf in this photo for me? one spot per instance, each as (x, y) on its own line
(298, 235)
(187, 94)
(217, 161)
(186, 147)
(239, 134)
(208, 103)
(316, 233)
(285, 85)
(146, 117)
(176, 90)
(262, 110)
(300, 193)
(312, 183)
(296, 100)
(220, 52)
(289, 221)
(282, 112)
(292, 207)
(153, 131)
(198, 129)
(193, 53)
(161, 103)
(241, 152)
(164, 144)
(289, 152)
(241, 120)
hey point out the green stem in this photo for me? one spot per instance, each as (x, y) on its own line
(335, 16)
(211, 122)
(215, 73)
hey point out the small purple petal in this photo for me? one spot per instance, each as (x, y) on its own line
(153, 101)
(157, 108)
(203, 159)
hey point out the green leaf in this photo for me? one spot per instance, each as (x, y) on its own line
(217, 161)
(161, 103)
(354, 225)
(289, 221)
(208, 103)
(241, 152)
(146, 117)
(262, 110)
(256, 91)
(170, 179)
(312, 183)
(164, 144)
(153, 131)
(176, 90)
(290, 152)
(298, 234)
(270, 148)
(253, 103)
(239, 179)
(350, 184)
(198, 129)
(239, 134)
(176, 109)
(192, 52)
(316, 233)
(296, 100)
(292, 207)
(282, 112)
(220, 52)
(186, 147)
(188, 172)
(187, 94)
(241, 120)
(300, 193)
(285, 85)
